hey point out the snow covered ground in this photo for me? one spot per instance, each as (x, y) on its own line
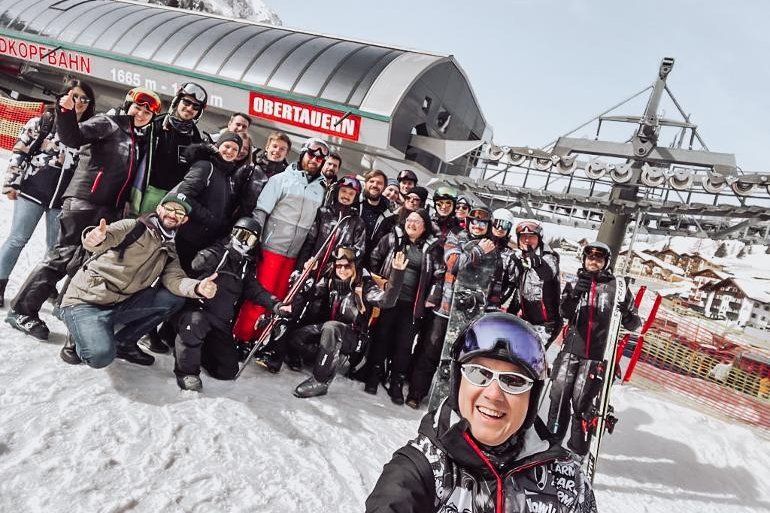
(126, 439)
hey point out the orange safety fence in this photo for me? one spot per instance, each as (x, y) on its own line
(13, 116)
(706, 364)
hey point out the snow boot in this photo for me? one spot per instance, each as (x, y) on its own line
(31, 325)
(189, 382)
(3, 284)
(268, 360)
(132, 353)
(397, 389)
(373, 380)
(155, 343)
(311, 388)
(68, 353)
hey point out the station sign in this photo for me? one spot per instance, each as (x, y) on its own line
(318, 119)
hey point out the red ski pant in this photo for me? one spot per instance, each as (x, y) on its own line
(273, 273)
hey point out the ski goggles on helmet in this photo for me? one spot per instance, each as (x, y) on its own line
(532, 227)
(145, 98)
(502, 337)
(480, 214)
(349, 181)
(194, 90)
(317, 150)
(510, 382)
(502, 224)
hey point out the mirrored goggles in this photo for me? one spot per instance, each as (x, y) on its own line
(149, 102)
(195, 91)
(316, 150)
(245, 237)
(502, 224)
(480, 222)
(510, 382)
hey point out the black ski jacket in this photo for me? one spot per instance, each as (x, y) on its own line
(589, 315)
(373, 216)
(352, 233)
(106, 177)
(236, 278)
(41, 177)
(431, 270)
(331, 299)
(254, 177)
(212, 191)
(445, 470)
(538, 288)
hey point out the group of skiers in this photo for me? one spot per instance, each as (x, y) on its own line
(194, 241)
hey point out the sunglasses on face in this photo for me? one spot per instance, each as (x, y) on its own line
(342, 266)
(414, 199)
(176, 212)
(510, 382)
(480, 223)
(444, 204)
(462, 206)
(595, 255)
(189, 103)
(85, 100)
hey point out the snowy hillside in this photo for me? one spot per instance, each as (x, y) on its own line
(253, 10)
(125, 438)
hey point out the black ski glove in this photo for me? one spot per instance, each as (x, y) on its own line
(280, 313)
(535, 260)
(583, 284)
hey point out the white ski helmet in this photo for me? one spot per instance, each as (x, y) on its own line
(503, 219)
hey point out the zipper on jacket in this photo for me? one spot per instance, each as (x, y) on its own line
(130, 165)
(58, 186)
(499, 495)
(591, 298)
(97, 180)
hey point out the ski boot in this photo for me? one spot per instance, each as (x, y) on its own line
(29, 324)
(189, 382)
(311, 388)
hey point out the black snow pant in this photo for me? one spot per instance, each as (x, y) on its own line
(575, 383)
(200, 342)
(427, 358)
(40, 284)
(394, 336)
(329, 343)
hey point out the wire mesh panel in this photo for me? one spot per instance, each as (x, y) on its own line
(13, 116)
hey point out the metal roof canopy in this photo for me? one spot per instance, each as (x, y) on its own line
(159, 46)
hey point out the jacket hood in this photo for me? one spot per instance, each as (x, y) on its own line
(446, 428)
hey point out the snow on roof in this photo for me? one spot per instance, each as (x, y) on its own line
(646, 257)
(756, 289)
(722, 275)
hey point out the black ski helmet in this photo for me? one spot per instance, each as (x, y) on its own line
(506, 337)
(597, 246)
(407, 174)
(315, 146)
(190, 89)
(445, 193)
(244, 237)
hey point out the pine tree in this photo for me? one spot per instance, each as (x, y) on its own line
(721, 251)
(743, 252)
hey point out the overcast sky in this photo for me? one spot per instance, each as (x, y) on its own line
(542, 67)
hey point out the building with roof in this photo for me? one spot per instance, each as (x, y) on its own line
(382, 106)
(697, 297)
(746, 301)
(689, 261)
(648, 266)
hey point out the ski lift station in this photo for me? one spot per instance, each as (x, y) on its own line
(380, 106)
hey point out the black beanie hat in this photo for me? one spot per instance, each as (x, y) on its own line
(230, 136)
(422, 192)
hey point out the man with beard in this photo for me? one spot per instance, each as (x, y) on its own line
(332, 165)
(115, 287)
(286, 210)
(374, 208)
(351, 235)
(169, 136)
